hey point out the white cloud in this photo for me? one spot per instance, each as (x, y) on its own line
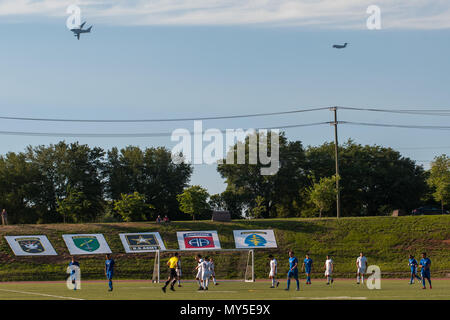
(351, 14)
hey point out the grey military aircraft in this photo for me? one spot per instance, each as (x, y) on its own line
(340, 46)
(80, 30)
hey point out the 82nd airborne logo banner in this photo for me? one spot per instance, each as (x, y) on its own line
(198, 240)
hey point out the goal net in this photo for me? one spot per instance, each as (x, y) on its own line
(232, 264)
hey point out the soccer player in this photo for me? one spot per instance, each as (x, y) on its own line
(307, 266)
(198, 277)
(205, 272)
(361, 266)
(172, 264)
(425, 264)
(412, 263)
(329, 266)
(109, 271)
(213, 273)
(273, 271)
(178, 270)
(293, 270)
(73, 265)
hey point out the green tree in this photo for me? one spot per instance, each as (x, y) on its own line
(133, 207)
(278, 191)
(194, 201)
(75, 207)
(150, 172)
(259, 210)
(323, 194)
(439, 179)
(373, 179)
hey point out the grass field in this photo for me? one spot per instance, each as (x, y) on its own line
(386, 242)
(341, 289)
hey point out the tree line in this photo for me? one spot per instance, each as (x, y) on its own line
(77, 183)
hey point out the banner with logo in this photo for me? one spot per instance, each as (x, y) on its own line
(86, 243)
(253, 239)
(31, 245)
(198, 240)
(142, 242)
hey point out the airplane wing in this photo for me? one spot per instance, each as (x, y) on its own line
(81, 27)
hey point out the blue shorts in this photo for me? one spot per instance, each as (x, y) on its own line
(426, 274)
(293, 274)
(307, 270)
(109, 275)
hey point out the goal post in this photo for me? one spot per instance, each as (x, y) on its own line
(243, 265)
(250, 267)
(156, 272)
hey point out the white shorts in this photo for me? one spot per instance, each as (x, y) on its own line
(361, 270)
(328, 272)
(206, 275)
(272, 274)
(199, 274)
(178, 272)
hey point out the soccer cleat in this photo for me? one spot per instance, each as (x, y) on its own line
(163, 289)
(286, 289)
(298, 289)
(431, 287)
(179, 286)
(328, 283)
(271, 287)
(423, 287)
(216, 284)
(172, 288)
(206, 288)
(200, 288)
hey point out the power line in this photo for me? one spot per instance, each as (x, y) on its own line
(430, 112)
(396, 125)
(168, 134)
(137, 135)
(165, 119)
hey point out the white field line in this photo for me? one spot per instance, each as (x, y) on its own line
(41, 294)
(331, 298)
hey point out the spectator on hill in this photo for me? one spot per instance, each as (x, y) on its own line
(4, 217)
(166, 219)
(158, 219)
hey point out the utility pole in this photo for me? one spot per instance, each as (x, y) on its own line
(336, 158)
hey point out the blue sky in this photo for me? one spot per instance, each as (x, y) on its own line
(215, 62)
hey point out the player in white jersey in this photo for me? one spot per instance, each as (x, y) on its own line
(361, 265)
(198, 277)
(178, 270)
(273, 271)
(213, 273)
(205, 271)
(328, 266)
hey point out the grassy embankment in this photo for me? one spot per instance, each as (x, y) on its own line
(386, 242)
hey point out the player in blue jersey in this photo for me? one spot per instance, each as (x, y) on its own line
(293, 270)
(307, 267)
(73, 266)
(425, 264)
(412, 262)
(109, 271)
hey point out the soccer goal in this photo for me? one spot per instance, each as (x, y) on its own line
(236, 264)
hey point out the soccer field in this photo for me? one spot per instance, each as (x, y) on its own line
(230, 290)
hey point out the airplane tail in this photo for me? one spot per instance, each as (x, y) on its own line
(89, 29)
